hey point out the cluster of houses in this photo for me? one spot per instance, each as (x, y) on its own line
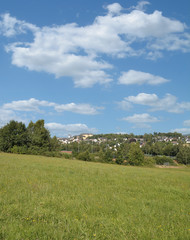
(87, 137)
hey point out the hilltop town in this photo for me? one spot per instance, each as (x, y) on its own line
(173, 138)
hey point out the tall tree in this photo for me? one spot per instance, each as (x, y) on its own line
(13, 134)
(39, 136)
(135, 155)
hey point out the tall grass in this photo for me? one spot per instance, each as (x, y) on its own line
(49, 198)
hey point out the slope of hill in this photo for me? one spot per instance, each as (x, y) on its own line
(49, 198)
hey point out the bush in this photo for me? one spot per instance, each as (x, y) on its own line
(85, 156)
(19, 149)
(149, 161)
(161, 160)
(66, 155)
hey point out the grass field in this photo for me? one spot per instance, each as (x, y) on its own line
(50, 198)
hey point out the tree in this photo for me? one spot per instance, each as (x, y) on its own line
(170, 149)
(35, 139)
(13, 134)
(55, 145)
(135, 155)
(157, 148)
(119, 156)
(183, 155)
(39, 137)
(85, 156)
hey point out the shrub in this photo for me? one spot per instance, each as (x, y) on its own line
(19, 149)
(160, 160)
(85, 156)
(149, 161)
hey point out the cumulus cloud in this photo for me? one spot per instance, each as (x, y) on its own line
(141, 120)
(114, 8)
(181, 130)
(31, 105)
(8, 115)
(35, 105)
(78, 51)
(138, 77)
(167, 103)
(172, 42)
(72, 129)
(21, 111)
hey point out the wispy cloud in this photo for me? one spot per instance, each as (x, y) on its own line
(8, 115)
(181, 130)
(69, 129)
(34, 105)
(186, 123)
(168, 103)
(10, 26)
(22, 111)
(141, 120)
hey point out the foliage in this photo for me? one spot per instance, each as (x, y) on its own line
(35, 139)
(149, 161)
(161, 160)
(183, 155)
(135, 155)
(14, 133)
(85, 156)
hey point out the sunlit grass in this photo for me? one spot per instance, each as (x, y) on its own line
(49, 198)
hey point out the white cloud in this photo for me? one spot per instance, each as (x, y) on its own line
(114, 8)
(72, 129)
(10, 26)
(186, 123)
(138, 77)
(141, 118)
(172, 42)
(31, 105)
(143, 99)
(168, 103)
(181, 130)
(35, 105)
(77, 108)
(124, 105)
(78, 51)
(8, 115)
(141, 5)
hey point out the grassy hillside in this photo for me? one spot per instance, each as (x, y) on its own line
(49, 198)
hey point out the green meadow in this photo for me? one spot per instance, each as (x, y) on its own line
(53, 198)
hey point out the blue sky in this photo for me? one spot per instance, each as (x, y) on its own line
(96, 66)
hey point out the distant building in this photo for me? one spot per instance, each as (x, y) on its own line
(84, 136)
(132, 140)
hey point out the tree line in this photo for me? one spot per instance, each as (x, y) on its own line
(15, 137)
(129, 153)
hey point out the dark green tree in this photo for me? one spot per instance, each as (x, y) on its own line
(183, 155)
(13, 134)
(135, 155)
(85, 156)
(39, 137)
